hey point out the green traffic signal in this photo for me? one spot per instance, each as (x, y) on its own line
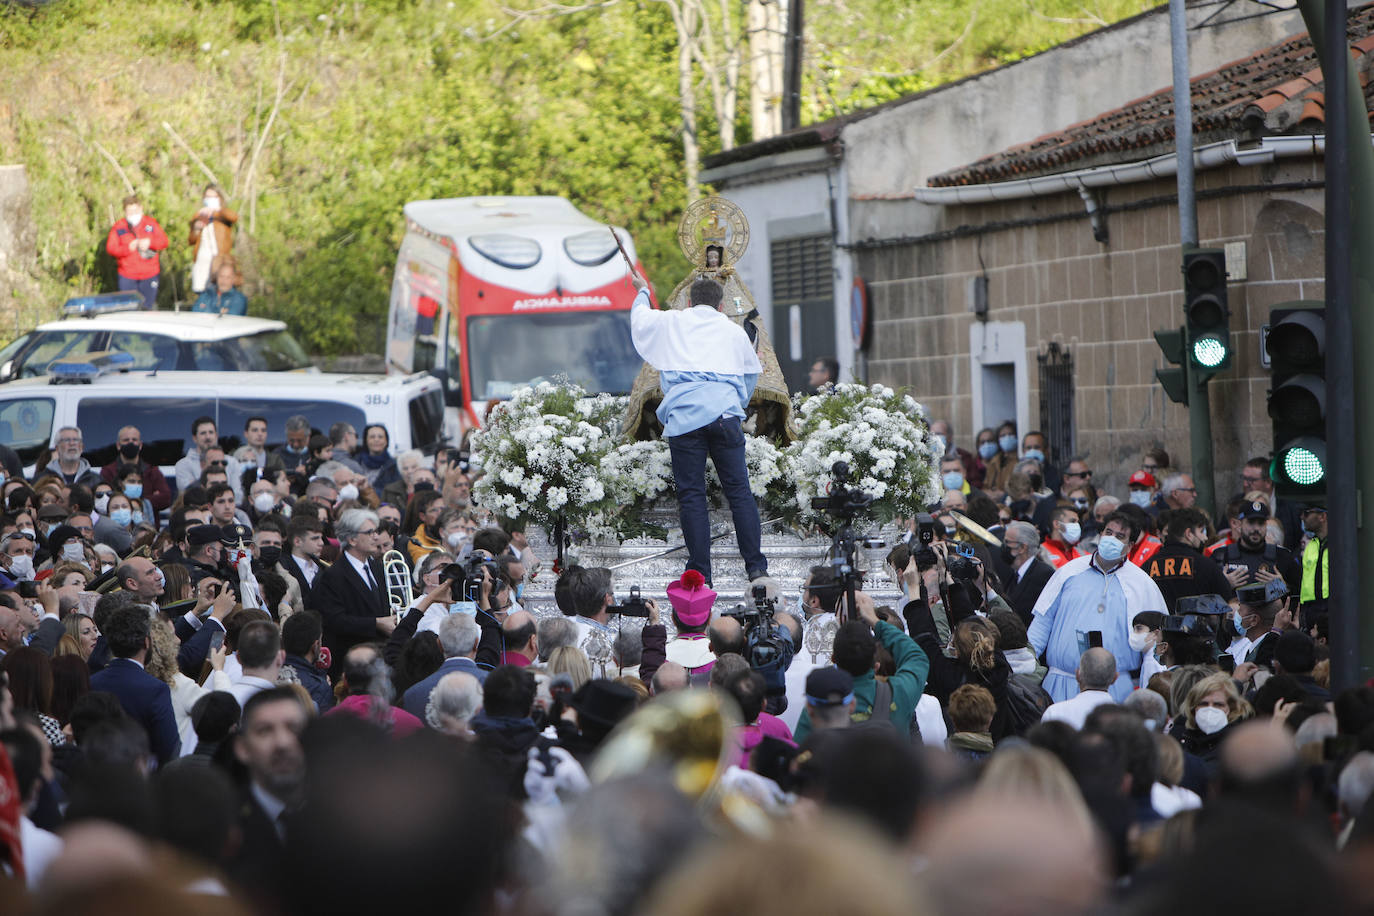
(1204, 305)
(1303, 462)
(1297, 399)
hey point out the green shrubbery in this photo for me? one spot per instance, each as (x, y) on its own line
(385, 102)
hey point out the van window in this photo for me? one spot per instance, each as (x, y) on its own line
(426, 419)
(270, 351)
(164, 423)
(234, 414)
(54, 345)
(150, 351)
(26, 426)
(593, 349)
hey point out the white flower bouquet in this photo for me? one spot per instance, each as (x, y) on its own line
(541, 455)
(883, 436)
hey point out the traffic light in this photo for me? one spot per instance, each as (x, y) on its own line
(1297, 399)
(1173, 381)
(1208, 317)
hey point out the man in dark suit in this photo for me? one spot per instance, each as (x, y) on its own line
(351, 594)
(145, 698)
(458, 634)
(1029, 573)
(268, 745)
(302, 558)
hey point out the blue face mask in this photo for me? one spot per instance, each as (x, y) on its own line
(801, 604)
(133, 490)
(1236, 622)
(136, 517)
(1007, 443)
(1110, 548)
(121, 517)
(1141, 498)
(952, 480)
(1034, 453)
(1072, 533)
(987, 450)
(519, 590)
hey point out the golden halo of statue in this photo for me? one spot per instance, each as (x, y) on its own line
(713, 221)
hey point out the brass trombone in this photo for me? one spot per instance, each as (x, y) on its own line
(399, 594)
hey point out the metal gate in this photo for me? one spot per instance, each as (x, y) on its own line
(1056, 402)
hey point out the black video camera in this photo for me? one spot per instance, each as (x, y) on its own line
(925, 536)
(768, 647)
(467, 577)
(633, 606)
(843, 503)
(963, 564)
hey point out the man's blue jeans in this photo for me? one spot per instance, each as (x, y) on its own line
(723, 440)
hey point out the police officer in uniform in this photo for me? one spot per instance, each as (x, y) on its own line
(1316, 565)
(1179, 568)
(1261, 560)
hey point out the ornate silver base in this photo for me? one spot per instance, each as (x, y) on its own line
(640, 561)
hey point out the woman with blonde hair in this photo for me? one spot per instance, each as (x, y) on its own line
(1025, 772)
(80, 637)
(571, 661)
(1206, 715)
(162, 664)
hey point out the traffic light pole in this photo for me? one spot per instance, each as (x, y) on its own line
(1199, 404)
(1349, 169)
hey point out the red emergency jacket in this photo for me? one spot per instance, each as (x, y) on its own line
(120, 245)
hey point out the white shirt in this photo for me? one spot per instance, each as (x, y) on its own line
(931, 720)
(1021, 570)
(308, 566)
(1075, 709)
(185, 692)
(40, 847)
(270, 805)
(248, 686)
(362, 569)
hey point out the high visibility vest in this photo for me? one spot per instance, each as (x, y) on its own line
(1315, 563)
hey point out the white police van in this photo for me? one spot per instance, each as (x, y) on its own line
(98, 394)
(166, 341)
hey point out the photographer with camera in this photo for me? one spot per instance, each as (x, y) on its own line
(816, 608)
(470, 588)
(856, 652)
(593, 604)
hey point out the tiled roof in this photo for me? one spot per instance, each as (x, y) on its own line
(1276, 91)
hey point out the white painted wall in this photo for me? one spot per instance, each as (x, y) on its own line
(897, 149)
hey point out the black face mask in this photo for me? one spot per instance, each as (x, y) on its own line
(269, 555)
(1037, 482)
(130, 450)
(1007, 557)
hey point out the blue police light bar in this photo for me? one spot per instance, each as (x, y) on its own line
(102, 304)
(79, 370)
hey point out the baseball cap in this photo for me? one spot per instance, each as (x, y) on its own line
(829, 687)
(1142, 479)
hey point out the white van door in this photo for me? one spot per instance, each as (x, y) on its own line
(419, 298)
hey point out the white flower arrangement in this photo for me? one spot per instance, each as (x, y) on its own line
(881, 434)
(541, 454)
(552, 451)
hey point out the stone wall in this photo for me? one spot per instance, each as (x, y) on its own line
(1102, 301)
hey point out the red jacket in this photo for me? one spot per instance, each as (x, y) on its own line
(120, 245)
(1145, 549)
(1059, 557)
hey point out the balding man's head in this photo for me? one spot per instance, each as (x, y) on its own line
(1260, 763)
(518, 632)
(669, 677)
(1096, 669)
(726, 636)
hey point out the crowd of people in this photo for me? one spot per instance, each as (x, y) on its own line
(313, 678)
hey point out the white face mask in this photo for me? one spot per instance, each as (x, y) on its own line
(455, 538)
(1138, 641)
(264, 502)
(1072, 532)
(348, 491)
(22, 566)
(72, 551)
(211, 203)
(102, 502)
(1210, 719)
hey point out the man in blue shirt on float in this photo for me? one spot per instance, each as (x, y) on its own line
(1097, 594)
(707, 370)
